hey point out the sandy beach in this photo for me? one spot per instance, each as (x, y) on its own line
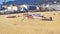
(30, 26)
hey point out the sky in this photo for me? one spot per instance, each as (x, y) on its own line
(6, 1)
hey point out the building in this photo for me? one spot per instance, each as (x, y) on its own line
(29, 8)
(12, 8)
(51, 7)
(54, 7)
(19, 9)
(23, 8)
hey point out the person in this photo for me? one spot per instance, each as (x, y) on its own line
(28, 16)
(50, 18)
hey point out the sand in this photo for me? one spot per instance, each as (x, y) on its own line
(30, 26)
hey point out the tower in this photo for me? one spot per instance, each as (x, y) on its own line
(4, 4)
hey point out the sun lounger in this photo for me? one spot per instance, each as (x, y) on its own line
(46, 19)
(11, 16)
(38, 16)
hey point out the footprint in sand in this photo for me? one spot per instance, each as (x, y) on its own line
(51, 32)
(54, 32)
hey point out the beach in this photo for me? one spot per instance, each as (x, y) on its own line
(30, 26)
